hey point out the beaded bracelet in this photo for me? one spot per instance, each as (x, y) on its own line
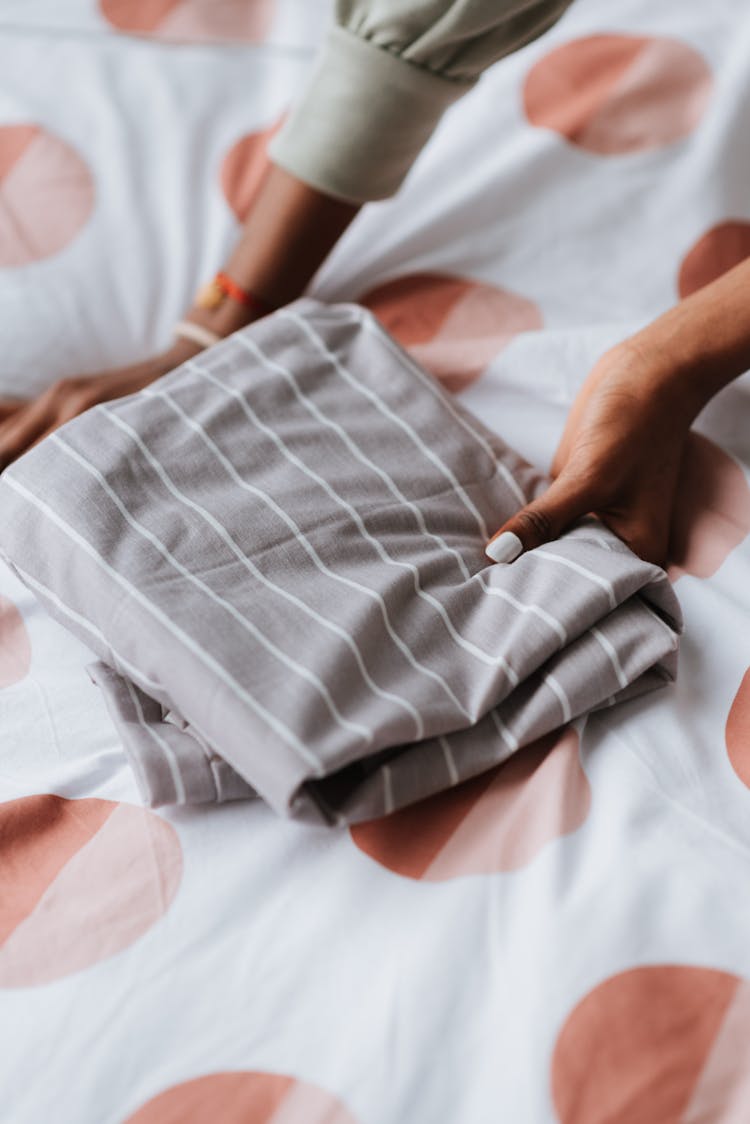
(212, 295)
(196, 333)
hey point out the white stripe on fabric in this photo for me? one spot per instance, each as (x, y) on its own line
(124, 667)
(351, 445)
(373, 325)
(115, 657)
(487, 658)
(523, 607)
(265, 641)
(346, 438)
(601, 582)
(163, 744)
(510, 739)
(562, 697)
(310, 550)
(250, 565)
(613, 657)
(121, 665)
(450, 761)
(275, 723)
(384, 408)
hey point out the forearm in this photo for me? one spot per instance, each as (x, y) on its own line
(386, 73)
(703, 343)
(385, 76)
(290, 231)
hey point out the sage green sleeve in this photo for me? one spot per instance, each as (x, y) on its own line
(386, 73)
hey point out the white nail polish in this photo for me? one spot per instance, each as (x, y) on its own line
(505, 548)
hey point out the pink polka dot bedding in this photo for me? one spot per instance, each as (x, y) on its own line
(562, 937)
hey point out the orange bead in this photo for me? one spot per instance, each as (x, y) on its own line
(210, 295)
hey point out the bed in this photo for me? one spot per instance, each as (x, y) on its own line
(563, 939)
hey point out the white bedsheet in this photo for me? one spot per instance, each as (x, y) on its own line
(568, 941)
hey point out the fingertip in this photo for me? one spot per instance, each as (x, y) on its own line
(505, 546)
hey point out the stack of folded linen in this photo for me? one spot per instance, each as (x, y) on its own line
(277, 553)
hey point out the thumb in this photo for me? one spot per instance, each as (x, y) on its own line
(540, 521)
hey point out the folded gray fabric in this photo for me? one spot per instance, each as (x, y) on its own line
(277, 553)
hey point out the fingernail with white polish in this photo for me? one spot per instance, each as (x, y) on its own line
(504, 548)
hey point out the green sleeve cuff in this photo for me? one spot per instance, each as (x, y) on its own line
(363, 119)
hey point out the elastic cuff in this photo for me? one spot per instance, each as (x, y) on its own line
(362, 120)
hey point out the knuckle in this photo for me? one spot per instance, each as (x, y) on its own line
(535, 525)
(65, 414)
(75, 386)
(80, 400)
(71, 396)
(65, 386)
(651, 548)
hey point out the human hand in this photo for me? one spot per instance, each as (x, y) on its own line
(25, 423)
(618, 459)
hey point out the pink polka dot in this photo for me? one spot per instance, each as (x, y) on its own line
(192, 20)
(613, 94)
(46, 194)
(718, 251)
(656, 1045)
(498, 821)
(454, 327)
(15, 647)
(79, 881)
(738, 731)
(243, 1098)
(243, 167)
(712, 510)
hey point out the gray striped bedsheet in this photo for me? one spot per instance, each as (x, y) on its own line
(276, 552)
